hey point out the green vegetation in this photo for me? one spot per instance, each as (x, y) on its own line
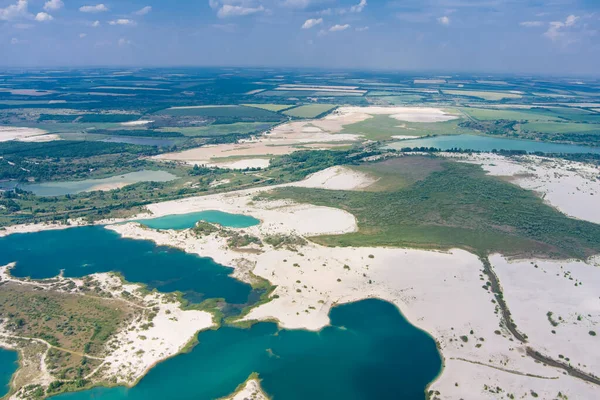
(240, 128)
(225, 114)
(290, 242)
(401, 172)
(485, 95)
(383, 127)
(459, 206)
(271, 106)
(309, 110)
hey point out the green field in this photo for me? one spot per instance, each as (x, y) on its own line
(383, 127)
(230, 111)
(561, 127)
(485, 95)
(271, 106)
(512, 115)
(241, 128)
(309, 110)
(458, 206)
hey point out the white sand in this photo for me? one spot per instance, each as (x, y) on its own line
(439, 292)
(243, 164)
(15, 133)
(137, 123)
(40, 138)
(337, 178)
(571, 187)
(250, 391)
(322, 133)
(570, 291)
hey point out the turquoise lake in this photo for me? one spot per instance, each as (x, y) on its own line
(186, 221)
(88, 185)
(8, 366)
(370, 351)
(486, 143)
(87, 250)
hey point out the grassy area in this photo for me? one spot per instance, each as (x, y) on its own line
(80, 324)
(512, 115)
(227, 111)
(383, 127)
(459, 206)
(309, 110)
(399, 173)
(485, 95)
(241, 128)
(271, 106)
(561, 127)
(395, 100)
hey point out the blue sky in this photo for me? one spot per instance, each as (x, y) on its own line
(560, 37)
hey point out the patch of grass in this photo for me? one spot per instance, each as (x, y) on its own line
(240, 128)
(383, 127)
(271, 106)
(485, 95)
(226, 111)
(459, 206)
(309, 110)
(398, 173)
(511, 115)
(561, 127)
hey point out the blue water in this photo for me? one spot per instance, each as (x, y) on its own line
(486, 143)
(370, 351)
(87, 250)
(185, 221)
(8, 366)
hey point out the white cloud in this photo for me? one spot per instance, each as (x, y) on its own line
(339, 28)
(445, 20)
(359, 7)
(14, 41)
(124, 42)
(362, 29)
(214, 4)
(228, 10)
(531, 24)
(98, 8)
(309, 23)
(53, 5)
(143, 11)
(95, 24)
(43, 17)
(571, 20)
(82, 35)
(122, 21)
(556, 29)
(14, 11)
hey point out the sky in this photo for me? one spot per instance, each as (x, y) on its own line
(555, 37)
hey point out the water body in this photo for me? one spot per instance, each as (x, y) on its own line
(186, 221)
(87, 250)
(486, 143)
(8, 366)
(370, 351)
(89, 185)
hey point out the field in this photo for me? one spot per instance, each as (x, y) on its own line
(458, 206)
(512, 115)
(561, 127)
(241, 128)
(270, 107)
(309, 110)
(490, 96)
(230, 111)
(383, 127)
